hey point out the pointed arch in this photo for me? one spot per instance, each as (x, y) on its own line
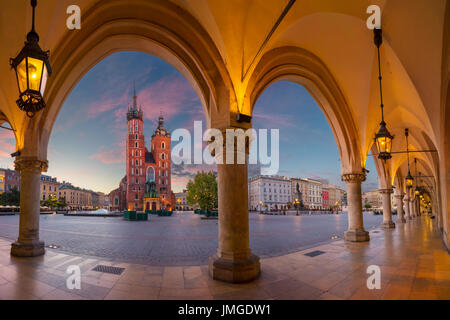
(303, 67)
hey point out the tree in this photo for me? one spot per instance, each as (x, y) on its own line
(52, 202)
(62, 203)
(202, 191)
(367, 206)
(10, 198)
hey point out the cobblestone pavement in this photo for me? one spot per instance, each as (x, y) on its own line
(183, 239)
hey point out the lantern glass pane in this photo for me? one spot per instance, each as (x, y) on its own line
(44, 80)
(35, 73)
(22, 75)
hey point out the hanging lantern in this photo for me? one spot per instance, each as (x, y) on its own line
(32, 67)
(409, 180)
(383, 139)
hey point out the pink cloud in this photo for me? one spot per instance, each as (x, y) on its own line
(111, 156)
(7, 145)
(278, 121)
(169, 94)
(107, 104)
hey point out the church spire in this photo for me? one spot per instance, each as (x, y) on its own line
(133, 112)
(134, 96)
(160, 130)
(161, 120)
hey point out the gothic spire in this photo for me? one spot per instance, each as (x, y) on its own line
(160, 120)
(133, 112)
(134, 96)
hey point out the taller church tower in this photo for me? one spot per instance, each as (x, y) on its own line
(135, 157)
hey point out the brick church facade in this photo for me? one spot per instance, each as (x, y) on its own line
(143, 165)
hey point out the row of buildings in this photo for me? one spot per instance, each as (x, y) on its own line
(274, 192)
(76, 198)
(181, 203)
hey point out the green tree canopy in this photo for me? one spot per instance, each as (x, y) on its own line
(53, 202)
(202, 191)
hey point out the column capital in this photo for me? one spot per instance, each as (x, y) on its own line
(30, 164)
(385, 191)
(353, 177)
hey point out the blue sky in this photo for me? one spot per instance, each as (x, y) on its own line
(87, 145)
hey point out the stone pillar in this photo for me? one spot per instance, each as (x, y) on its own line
(418, 207)
(234, 261)
(399, 200)
(28, 244)
(355, 232)
(387, 209)
(406, 202)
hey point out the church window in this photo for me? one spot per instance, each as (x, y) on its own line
(137, 162)
(136, 153)
(136, 144)
(163, 156)
(162, 164)
(137, 171)
(163, 145)
(136, 136)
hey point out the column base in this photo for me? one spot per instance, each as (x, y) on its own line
(409, 218)
(27, 249)
(388, 225)
(234, 271)
(402, 220)
(356, 236)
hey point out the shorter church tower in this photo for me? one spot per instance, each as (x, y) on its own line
(160, 146)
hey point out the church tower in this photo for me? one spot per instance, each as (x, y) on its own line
(160, 145)
(135, 157)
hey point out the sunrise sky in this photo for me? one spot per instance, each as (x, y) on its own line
(87, 145)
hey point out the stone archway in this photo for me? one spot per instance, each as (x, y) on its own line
(303, 67)
(445, 167)
(159, 28)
